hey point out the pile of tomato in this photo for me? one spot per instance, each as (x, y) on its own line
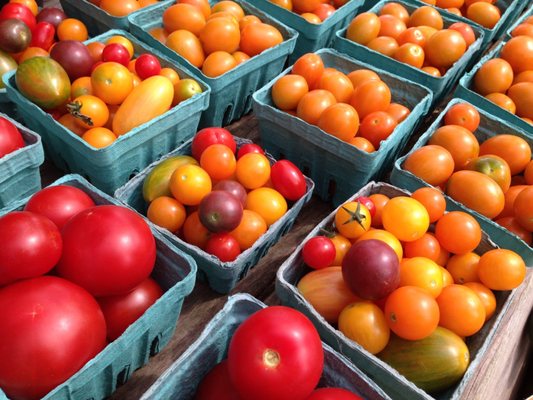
(62, 245)
(507, 80)
(404, 266)
(484, 12)
(355, 107)
(215, 39)
(222, 199)
(276, 353)
(418, 39)
(314, 11)
(493, 178)
(101, 91)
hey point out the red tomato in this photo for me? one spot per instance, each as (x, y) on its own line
(59, 203)
(368, 203)
(18, 11)
(10, 137)
(208, 136)
(288, 180)
(249, 148)
(50, 329)
(147, 65)
(224, 246)
(107, 249)
(43, 35)
(216, 385)
(31, 246)
(319, 252)
(333, 394)
(123, 310)
(117, 53)
(275, 354)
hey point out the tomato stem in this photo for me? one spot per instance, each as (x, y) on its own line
(74, 109)
(271, 358)
(356, 215)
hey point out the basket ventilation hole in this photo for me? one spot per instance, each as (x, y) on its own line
(123, 376)
(248, 103)
(133, 173)
(154, 347)
(331, 188)
(228, 114)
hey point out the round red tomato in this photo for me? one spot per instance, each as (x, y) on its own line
(224, 246)
(319, 252)
(333, 394)
(208, 136)
(31, 246)
(147, 65)
(249, 148)
(59, 203)
(50, 329)
(368, 203)
(107, 249)
(288, 180)
(275, 354)
(117, 53)
(123, 310)
(216, 385)
(10, 137)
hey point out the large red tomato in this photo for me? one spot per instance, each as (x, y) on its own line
(59, 203)
(10, 137)
(50, 329)
(275, 354)
(31, 246)
(18, 11)
(122, 310)
(107, 250)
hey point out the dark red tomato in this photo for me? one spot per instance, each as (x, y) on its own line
(123, 310)
(368, 203)
(208, 136)
(117, 53)
(220, 211)
(10, 137)
(275, 354)
(319, 252)
(333, 394)
(31, 246)
(233, 187)
(147, 65)
(107, 250)
(224, 246)
(249, 148)
(59, 203)
(52, 15)
(216, 385)
(43, 35)
(50, 329)
(18, 11)
(288, 180)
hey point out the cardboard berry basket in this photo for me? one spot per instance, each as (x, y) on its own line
(19, 170)
(509, 9)
(393, 383)
(527, 13)
(337, 168)
(221, 276)
(112, 166)
(311, 37)
(489, 126)
(466, 91)
(182, 378)
(231, 93)
(174, 271)
(95, 19)
(439, 85)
